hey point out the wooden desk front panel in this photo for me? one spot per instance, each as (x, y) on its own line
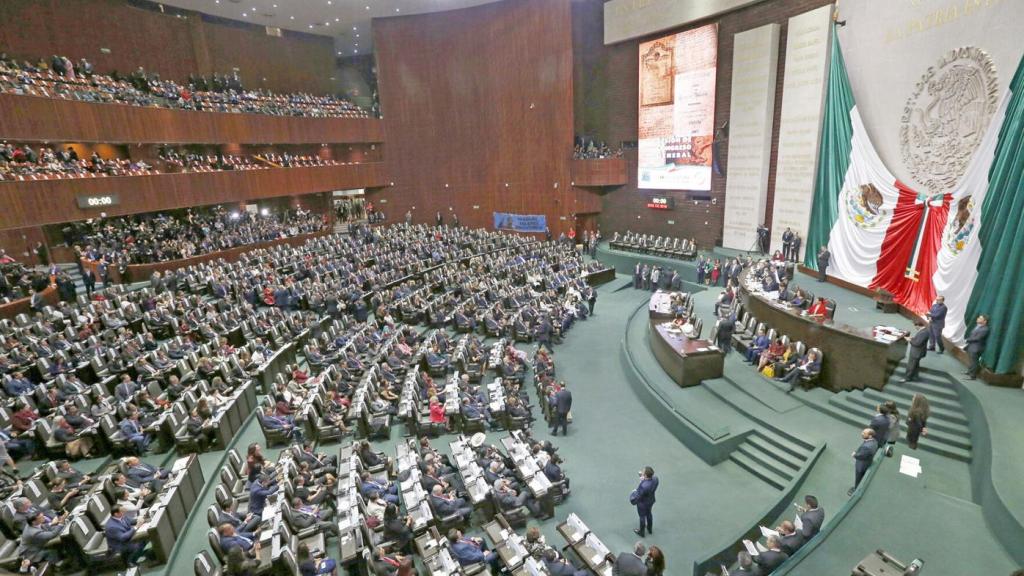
(851, 361)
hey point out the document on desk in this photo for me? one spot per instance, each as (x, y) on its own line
(798, 523)
(768, 532)
(750, 548)
(180, 464)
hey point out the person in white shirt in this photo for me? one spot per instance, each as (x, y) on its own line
(375, 506)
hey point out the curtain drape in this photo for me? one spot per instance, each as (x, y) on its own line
(833, 155)
(997, 291)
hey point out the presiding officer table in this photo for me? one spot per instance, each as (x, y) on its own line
(687, 360)
(852, 358)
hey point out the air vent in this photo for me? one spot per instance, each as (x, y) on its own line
(273, 31)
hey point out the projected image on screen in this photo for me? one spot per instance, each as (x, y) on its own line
(677, 110)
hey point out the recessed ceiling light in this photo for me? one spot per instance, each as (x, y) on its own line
(357, 35)
(310, 25)
(275, 5)
(292, 17)
(339, 53)
(328, 2)
(357, 43)
(245, 14)
(337, 19)
(398, 10)
(355, 51)
(367, 7)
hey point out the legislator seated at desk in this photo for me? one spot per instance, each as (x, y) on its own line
(121, 537)
(851, 357)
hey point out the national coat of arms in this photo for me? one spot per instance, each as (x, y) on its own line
(959, 225)
(946, 116)
(864, 205)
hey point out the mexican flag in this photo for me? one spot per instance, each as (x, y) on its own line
(884, 234)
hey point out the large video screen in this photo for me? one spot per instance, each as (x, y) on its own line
(677, 110)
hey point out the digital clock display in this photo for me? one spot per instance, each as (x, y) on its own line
(661, 203)
(100, 201)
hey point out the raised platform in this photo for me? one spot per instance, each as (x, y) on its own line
(625, 262)
(986, 375)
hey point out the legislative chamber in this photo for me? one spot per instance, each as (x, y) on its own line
(406, 287)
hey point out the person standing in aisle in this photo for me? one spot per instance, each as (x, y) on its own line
(643, 498)
(917, 420)
(863, 457)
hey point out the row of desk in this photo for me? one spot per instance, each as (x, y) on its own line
(164, 521)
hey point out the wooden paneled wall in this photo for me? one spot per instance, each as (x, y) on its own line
(36, 203)
(171, 46)
(477, 107)
(46, 119)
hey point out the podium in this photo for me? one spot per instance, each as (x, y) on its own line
(880, 564)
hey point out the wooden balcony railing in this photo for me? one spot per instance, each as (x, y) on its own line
(36, 118)
(603, 172)
(40, 202)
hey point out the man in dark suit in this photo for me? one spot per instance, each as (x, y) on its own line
(771, 558)
(447, 504)
(560, 567)
(260, 489)
(470, 550)
(823, 258)
(119, 533)
(863, 456)
(304, 516)
(918, 349)
(230, 539)
(561, 401)
(543, 332)
(745, 566)
(880, 424)
(808, 367)
(139, 473)
(790, 540)
(936, 322)
(787, 244)
(631, 563)
(976, 346)
(811, 516)
(726, 327)
(244, 525)
(36, 537)
(643, 498)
